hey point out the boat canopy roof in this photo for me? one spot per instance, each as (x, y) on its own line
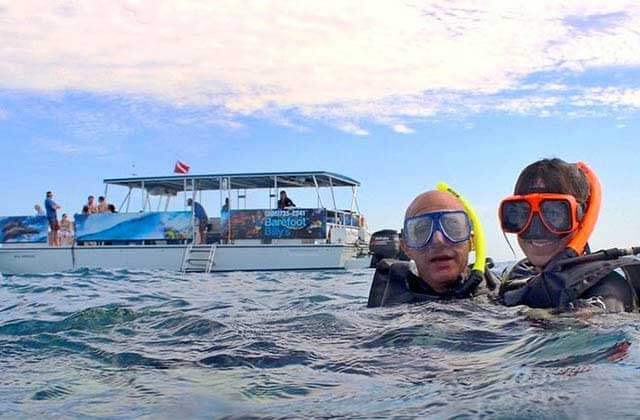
(178, 183)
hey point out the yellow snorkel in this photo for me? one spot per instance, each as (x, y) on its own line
(479, 243)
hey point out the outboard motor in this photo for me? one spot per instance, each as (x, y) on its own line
(385, 244)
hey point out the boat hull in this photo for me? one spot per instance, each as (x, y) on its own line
(25, 260)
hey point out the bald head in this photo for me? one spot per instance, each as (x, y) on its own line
(440, 262)
(432, 201)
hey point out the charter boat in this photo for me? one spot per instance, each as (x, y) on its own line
(259, 238)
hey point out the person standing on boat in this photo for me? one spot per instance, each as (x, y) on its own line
(284, 201)
(52, 216)
(225, 207)
(437, 237)
(201, 218)
(224, 219)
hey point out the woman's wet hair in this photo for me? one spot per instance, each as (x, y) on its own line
(558, 176)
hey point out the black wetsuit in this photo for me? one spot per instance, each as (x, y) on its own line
(396, 282)
(610, 285)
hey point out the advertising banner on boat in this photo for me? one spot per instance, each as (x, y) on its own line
(294, 224)
(244, 224)
(24, 229)
(278, 224)
(174, 225)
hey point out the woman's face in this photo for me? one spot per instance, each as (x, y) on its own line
(540, 251)
(538, 243)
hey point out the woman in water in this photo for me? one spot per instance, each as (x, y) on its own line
(553, 211)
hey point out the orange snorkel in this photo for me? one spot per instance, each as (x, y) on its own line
(588, 223)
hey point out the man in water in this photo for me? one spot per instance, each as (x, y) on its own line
(201, 218)
(437, 238)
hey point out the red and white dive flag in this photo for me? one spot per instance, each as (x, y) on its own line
(181, 168)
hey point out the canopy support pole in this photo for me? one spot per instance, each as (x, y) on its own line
(127, 199)
(193, 213)
(275, 186)
(315, 182)
(354, 200)
(144, 202)
(220, 190)
(184, 190)
(333, 197)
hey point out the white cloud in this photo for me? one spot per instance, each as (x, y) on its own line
(353, 129)
(69, 148)
(614, 97)
(402, 129)
(331, 60)
(527, 105)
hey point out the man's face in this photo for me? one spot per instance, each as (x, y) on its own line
(441, 262)
(90, 199)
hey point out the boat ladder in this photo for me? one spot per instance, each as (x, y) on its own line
(199, 259)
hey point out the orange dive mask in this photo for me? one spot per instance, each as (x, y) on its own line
(559, 213)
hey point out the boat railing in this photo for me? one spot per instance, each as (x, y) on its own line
(291, 225)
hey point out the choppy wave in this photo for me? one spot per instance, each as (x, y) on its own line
(121, 343)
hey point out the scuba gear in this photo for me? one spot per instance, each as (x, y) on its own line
(588, 222)
(602, 255)
(558, 212)
(479, 245)
(569, 279)
(419, 230)
(537, 231)
(572, 276)
(397, 282)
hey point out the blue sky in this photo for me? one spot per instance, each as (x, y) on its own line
(398, 96)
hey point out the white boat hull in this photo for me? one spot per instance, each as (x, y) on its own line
(29, 260)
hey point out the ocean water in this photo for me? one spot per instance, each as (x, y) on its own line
(121, 344)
